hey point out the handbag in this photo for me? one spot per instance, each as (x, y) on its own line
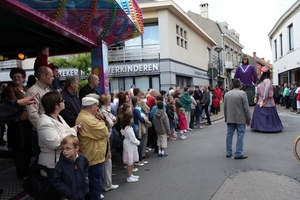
(39, 186)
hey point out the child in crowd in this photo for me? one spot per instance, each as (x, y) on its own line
(171, 115)
(140, 119)
(215, 104)
(126, 107)
(130, 153)
(70, 176)
(182, 123)
(42, 58)
(162, 127)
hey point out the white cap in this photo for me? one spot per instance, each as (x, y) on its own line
(88, 101)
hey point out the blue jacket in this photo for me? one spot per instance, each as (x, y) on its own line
(70, 177)
(137, 116)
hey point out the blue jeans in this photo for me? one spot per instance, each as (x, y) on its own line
(95, 182)
(241, 128)
(140, 147)
(198, 114)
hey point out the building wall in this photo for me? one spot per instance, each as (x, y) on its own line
(290, 59)
(196, 52)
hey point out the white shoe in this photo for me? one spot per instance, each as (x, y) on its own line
(145, 162)
(190, 129)
(132, 180)
(113, 187)
(133, 176)
(102, 197)
(134, 170)
(148, 148)
(201, 127)
(139, 164)
(185, 131)
(183, 137)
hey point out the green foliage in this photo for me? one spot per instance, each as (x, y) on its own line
(82, 83)
(81, 62)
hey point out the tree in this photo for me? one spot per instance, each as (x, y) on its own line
(82, 62)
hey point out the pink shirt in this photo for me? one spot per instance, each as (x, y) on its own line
(265, 92)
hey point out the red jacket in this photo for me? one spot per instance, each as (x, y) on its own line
(40, 61)
(218, 93)
(298, 96)
(182, 122)
(215, 102)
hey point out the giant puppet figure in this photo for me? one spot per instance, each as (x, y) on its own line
(248, 76)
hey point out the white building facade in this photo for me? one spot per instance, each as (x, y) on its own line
(285, 44)
(173, 51)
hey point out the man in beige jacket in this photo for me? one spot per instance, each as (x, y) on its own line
(44, 75)
(93, 143)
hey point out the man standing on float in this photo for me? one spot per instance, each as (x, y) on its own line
(248, 76)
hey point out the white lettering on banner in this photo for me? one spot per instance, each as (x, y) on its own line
(133, 68)
(69, 72)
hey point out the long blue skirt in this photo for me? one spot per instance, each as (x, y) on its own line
(266, 119)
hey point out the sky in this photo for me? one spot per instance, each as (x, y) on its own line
(252, 19)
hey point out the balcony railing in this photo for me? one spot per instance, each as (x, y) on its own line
(126, 54)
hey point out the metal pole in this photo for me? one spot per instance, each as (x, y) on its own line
(212, 78)
(219, 77)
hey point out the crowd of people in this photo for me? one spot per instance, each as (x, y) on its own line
(61, 130)
(71, 134)
(288, 95)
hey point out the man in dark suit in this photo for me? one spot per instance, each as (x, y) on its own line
(93, 82)
(72, 102)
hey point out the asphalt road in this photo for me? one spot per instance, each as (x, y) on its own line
(197, 167)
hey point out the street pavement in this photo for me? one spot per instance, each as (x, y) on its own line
(196, 168)
(258, 185)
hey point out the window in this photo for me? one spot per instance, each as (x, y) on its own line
(142, 82)
(281, 48)
(275, 48)
(150, 38)
(208, 55)
(291, 37)
(182, 80)
(181, 37)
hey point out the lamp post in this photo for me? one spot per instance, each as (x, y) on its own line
(219, 49)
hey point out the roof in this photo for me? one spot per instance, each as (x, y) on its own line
(287, 15)
(65, 26)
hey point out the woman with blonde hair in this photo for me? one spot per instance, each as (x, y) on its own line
(110, 119)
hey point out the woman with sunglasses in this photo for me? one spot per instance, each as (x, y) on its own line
(51, 129)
